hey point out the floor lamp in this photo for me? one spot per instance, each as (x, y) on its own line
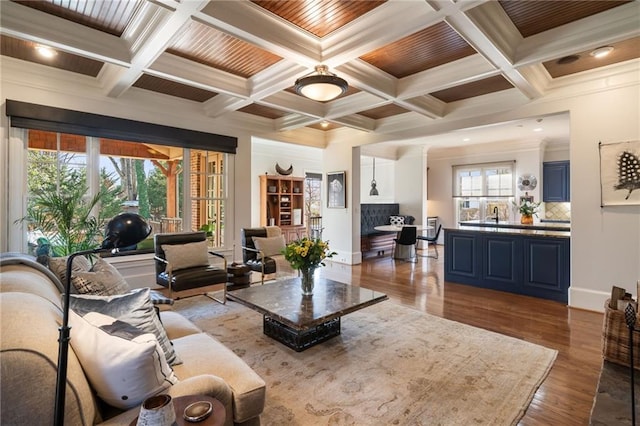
(125, 229)
(630, 319)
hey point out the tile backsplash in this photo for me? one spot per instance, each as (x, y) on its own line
(557, 211)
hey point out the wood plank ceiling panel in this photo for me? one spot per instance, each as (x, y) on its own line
(319, 17)
(583, 61)
(26, 51)
(475, 88)
(383, 111)
(428, 48)
(168, 87)
(533, 17)
(214, 48)
(108, 16)
(263, 111)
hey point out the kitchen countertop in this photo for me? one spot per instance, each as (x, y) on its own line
(541, 226)
(488, 228)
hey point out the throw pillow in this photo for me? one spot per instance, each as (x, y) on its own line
(58, 265)
(124, 365)
(134, 308)
(103, 280)
(396, 220)
(181, 256)
(270, 246)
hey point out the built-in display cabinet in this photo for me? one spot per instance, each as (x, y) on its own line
(282, 204)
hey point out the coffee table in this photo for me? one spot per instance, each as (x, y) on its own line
(301, 322)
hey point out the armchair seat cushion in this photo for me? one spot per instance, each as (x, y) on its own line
(196, 277)
(256, 265)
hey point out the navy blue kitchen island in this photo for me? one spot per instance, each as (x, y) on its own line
(517, 259)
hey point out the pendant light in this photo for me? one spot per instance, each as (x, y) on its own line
(321, 86)
(374, 190)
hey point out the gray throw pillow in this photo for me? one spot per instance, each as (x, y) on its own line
(134, 308)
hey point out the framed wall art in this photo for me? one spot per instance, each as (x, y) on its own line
(620, 173)
(336, 190)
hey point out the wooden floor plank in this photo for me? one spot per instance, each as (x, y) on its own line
(566, 396)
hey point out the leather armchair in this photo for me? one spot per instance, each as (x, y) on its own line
(190, 281)
(252, 257)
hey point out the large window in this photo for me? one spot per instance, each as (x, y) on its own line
(481, 191)
(129, 176)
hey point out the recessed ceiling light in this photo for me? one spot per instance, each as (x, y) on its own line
(45, 51)
(324, 124)
(601, 52)
(466, 140)
(537, 129)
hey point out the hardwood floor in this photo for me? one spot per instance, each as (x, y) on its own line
(566, 396)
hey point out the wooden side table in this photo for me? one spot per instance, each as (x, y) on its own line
(217, 418)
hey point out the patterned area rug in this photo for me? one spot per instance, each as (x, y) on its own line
(391, 365)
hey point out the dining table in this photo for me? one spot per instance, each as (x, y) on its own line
(402, 252)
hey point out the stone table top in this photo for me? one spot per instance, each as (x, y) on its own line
(283, 301)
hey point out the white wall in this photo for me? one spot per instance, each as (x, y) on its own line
(410, 183)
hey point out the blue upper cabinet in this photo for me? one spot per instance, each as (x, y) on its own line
(555, 181)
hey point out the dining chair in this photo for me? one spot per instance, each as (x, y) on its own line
(429, 240)
(405, 245)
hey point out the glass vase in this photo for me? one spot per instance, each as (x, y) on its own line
(307, 277)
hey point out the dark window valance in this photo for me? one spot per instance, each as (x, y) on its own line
(39, 117)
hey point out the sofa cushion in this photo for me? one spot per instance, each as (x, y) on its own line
(177, 325)
(248, 387)
(103, 280)
(124, 364)
(134, 308)
(270, 246)
(29, 356)
(182, 256)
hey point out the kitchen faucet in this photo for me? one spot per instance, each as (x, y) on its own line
(495, 211)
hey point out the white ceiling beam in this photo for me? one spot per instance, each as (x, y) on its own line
(152, 42)
(176, 68)
(373, 31)
(488, 29)
(222, 104)
(424, 105)
(248, 22)
(465, 70)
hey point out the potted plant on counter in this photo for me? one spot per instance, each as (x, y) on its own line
(527, 210)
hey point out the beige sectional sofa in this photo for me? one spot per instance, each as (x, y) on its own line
(30, 310)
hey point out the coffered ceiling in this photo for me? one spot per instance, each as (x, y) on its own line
(407, 62)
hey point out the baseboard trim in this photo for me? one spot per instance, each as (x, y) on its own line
(590, 300)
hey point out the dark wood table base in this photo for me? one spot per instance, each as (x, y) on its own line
(299, 340)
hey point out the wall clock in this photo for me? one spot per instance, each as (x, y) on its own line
(527, 183)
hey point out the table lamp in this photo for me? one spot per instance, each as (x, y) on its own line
(125, 229)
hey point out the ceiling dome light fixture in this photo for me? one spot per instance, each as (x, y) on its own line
(601, 52)
(374, 190)
(321, 86)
